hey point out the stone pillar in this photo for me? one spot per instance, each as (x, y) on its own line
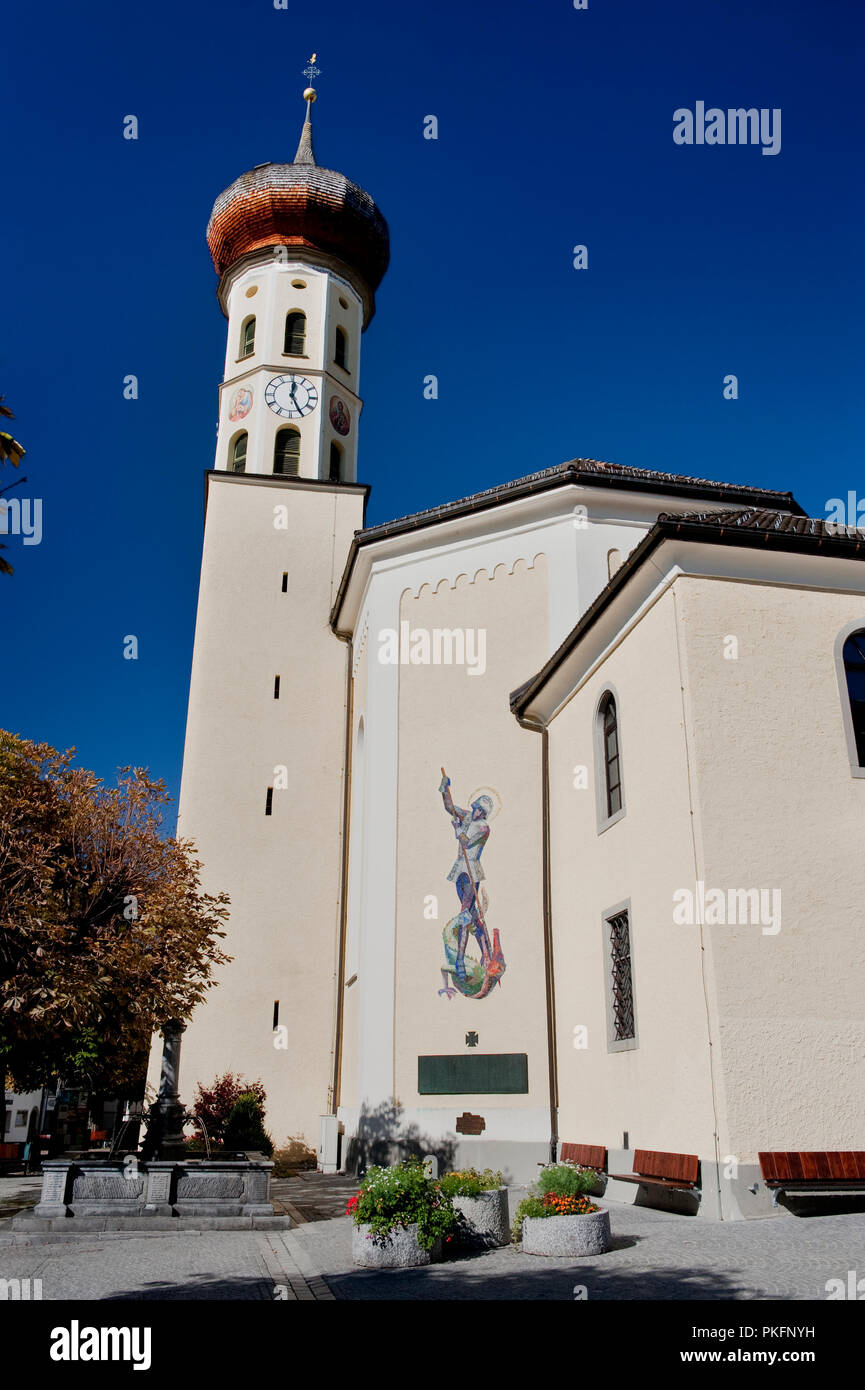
(169, 1110)
(56, 1188)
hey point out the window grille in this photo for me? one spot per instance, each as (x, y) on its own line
(621, 980)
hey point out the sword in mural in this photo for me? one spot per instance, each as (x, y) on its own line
(463, 974)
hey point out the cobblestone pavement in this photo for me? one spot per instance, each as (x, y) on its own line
(313, 1196)
(227, 1265)
(655, 1255)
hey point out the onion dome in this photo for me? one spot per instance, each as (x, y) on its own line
(304, 206)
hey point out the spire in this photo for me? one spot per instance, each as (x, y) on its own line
(305, 153)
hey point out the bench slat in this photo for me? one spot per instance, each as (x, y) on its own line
(586, 1155)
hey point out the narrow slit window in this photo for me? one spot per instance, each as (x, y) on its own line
(340, 355)
(335, 471)
(276, 687)
(268, 804)
(854, 669)
(612, 758)
(275, 1014)
(285, 581)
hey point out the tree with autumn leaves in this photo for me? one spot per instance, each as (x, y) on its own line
(105, 932)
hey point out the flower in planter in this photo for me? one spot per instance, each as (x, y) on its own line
(401, 1196)
(559, 1191)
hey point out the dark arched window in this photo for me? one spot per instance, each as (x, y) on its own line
(854, 669)
(340, 355)
(286, 451)
(247, 337)
(237, 460)
(295, 333)
(335, 462)
(609, 727)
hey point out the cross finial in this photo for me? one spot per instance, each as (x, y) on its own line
(311, 71)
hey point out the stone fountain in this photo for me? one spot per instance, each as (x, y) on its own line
(158, 1188)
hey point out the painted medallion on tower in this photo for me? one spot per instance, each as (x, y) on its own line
(241, 403)
(339, 415)
(474, 965)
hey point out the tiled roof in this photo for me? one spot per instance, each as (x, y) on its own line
(759, 519)
(754, 527)
(591, 472)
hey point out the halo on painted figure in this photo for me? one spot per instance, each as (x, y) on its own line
(492, 795)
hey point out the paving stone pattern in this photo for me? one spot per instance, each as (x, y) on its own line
(655, 1255)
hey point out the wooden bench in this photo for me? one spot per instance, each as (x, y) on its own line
(586, 1155)
(813, 1174)
(11, 1156)
(677, 1172)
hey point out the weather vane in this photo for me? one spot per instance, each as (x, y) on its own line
(311, 71)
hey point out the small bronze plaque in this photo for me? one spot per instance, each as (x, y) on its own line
(470, 1124)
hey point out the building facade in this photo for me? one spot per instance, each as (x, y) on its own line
(425, 868)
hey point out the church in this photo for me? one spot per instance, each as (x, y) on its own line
(540, 812)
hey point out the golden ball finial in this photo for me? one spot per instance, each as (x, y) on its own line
(309, 94)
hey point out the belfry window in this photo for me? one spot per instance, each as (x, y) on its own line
(295, 334)
(286, 452)
(340, 355)
(335, 462)
(854, 670)
(247, 337)
(237, 461)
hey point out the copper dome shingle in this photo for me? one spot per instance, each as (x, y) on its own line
(300, 205)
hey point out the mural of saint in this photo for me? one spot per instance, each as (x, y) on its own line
(465, 974)
(339, 416)
(241, 403)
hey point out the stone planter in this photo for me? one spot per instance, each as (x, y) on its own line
(484, 1219)
(397, 1250)
(567, 1235)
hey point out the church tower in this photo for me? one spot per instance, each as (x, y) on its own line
(300, 251)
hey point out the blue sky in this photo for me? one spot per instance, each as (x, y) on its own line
(555, 128)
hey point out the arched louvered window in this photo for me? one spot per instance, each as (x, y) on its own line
(295, 333)
(286, 451)
(247, 337)
(335, 462)
(608, 729)
(237, 457)
(340, 354)
(854, 670)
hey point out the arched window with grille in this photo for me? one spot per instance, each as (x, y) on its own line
(608, 750)
(247, 337)
(851, 678)
(295, 334)
(340, 354)
(237, 454)
(286, 451)
(335, 472)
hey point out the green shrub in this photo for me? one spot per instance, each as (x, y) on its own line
(400, 1196)
(468, 1182)
(566, 1179)
(245, 1128)
(529, 1206)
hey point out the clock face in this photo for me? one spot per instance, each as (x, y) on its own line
(291, 396)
